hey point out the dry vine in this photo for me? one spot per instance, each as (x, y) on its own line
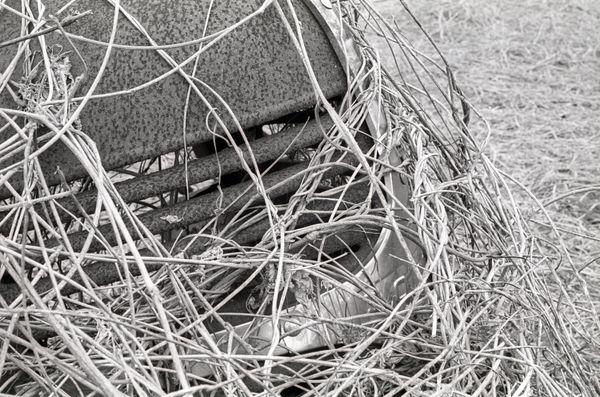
(478, 319)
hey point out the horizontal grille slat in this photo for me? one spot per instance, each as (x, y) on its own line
(204, 207)
(209, 167)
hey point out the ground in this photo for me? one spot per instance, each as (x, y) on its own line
(532, 70)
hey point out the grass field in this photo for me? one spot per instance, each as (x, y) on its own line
(532, 70)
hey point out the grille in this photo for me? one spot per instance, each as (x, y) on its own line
(284, 158)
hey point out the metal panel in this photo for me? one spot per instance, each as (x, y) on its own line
(255, 69)
(198, 170)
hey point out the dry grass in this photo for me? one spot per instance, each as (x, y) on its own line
(531, 69)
